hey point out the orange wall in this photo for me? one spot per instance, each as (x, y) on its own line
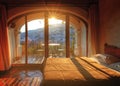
(109, 11)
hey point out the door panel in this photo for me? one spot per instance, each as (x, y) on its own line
(57, 41)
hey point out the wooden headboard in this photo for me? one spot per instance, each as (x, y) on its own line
(112, 50)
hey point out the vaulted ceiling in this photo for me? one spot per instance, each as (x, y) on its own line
(12, 4)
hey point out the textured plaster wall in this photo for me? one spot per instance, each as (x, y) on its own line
(109, 11)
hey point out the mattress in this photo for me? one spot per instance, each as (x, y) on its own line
(79, 71)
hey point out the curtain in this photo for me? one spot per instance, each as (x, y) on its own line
(83, 41)
(93, 30)
(11, 43)
(4, 47)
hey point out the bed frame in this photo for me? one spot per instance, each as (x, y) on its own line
(112, 50)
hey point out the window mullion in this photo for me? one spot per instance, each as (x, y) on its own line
(67, 37)
(26, 40)
(46, 32)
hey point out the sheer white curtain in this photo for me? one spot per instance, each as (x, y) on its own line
(12, 43)
(83, 41)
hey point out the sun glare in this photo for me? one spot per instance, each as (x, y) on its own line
(39, 23)
(53, 21)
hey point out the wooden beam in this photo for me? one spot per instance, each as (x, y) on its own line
(46, 32)
(26, 40)
(67, 37)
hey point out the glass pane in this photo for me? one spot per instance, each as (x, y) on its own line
(73, 38)
(35, 41)
(57, 41)
(72, 41)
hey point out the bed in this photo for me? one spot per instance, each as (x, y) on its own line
(79, 71)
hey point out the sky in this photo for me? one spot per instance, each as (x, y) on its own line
(39, 23)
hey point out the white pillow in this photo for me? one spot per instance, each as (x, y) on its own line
(100, 58)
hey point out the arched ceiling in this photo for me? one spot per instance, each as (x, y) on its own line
(16, 12)
(75, 21)
(78, 8)
(16, 8)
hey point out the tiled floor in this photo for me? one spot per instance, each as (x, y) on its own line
(18, 76)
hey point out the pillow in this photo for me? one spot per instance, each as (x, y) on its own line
(111, 59)
(115, 66)
(100, 58)
(105, 59)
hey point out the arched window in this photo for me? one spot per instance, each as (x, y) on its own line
(47, 35)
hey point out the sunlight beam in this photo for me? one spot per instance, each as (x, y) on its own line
(53, 21)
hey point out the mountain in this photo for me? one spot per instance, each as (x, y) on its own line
(56, 34)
